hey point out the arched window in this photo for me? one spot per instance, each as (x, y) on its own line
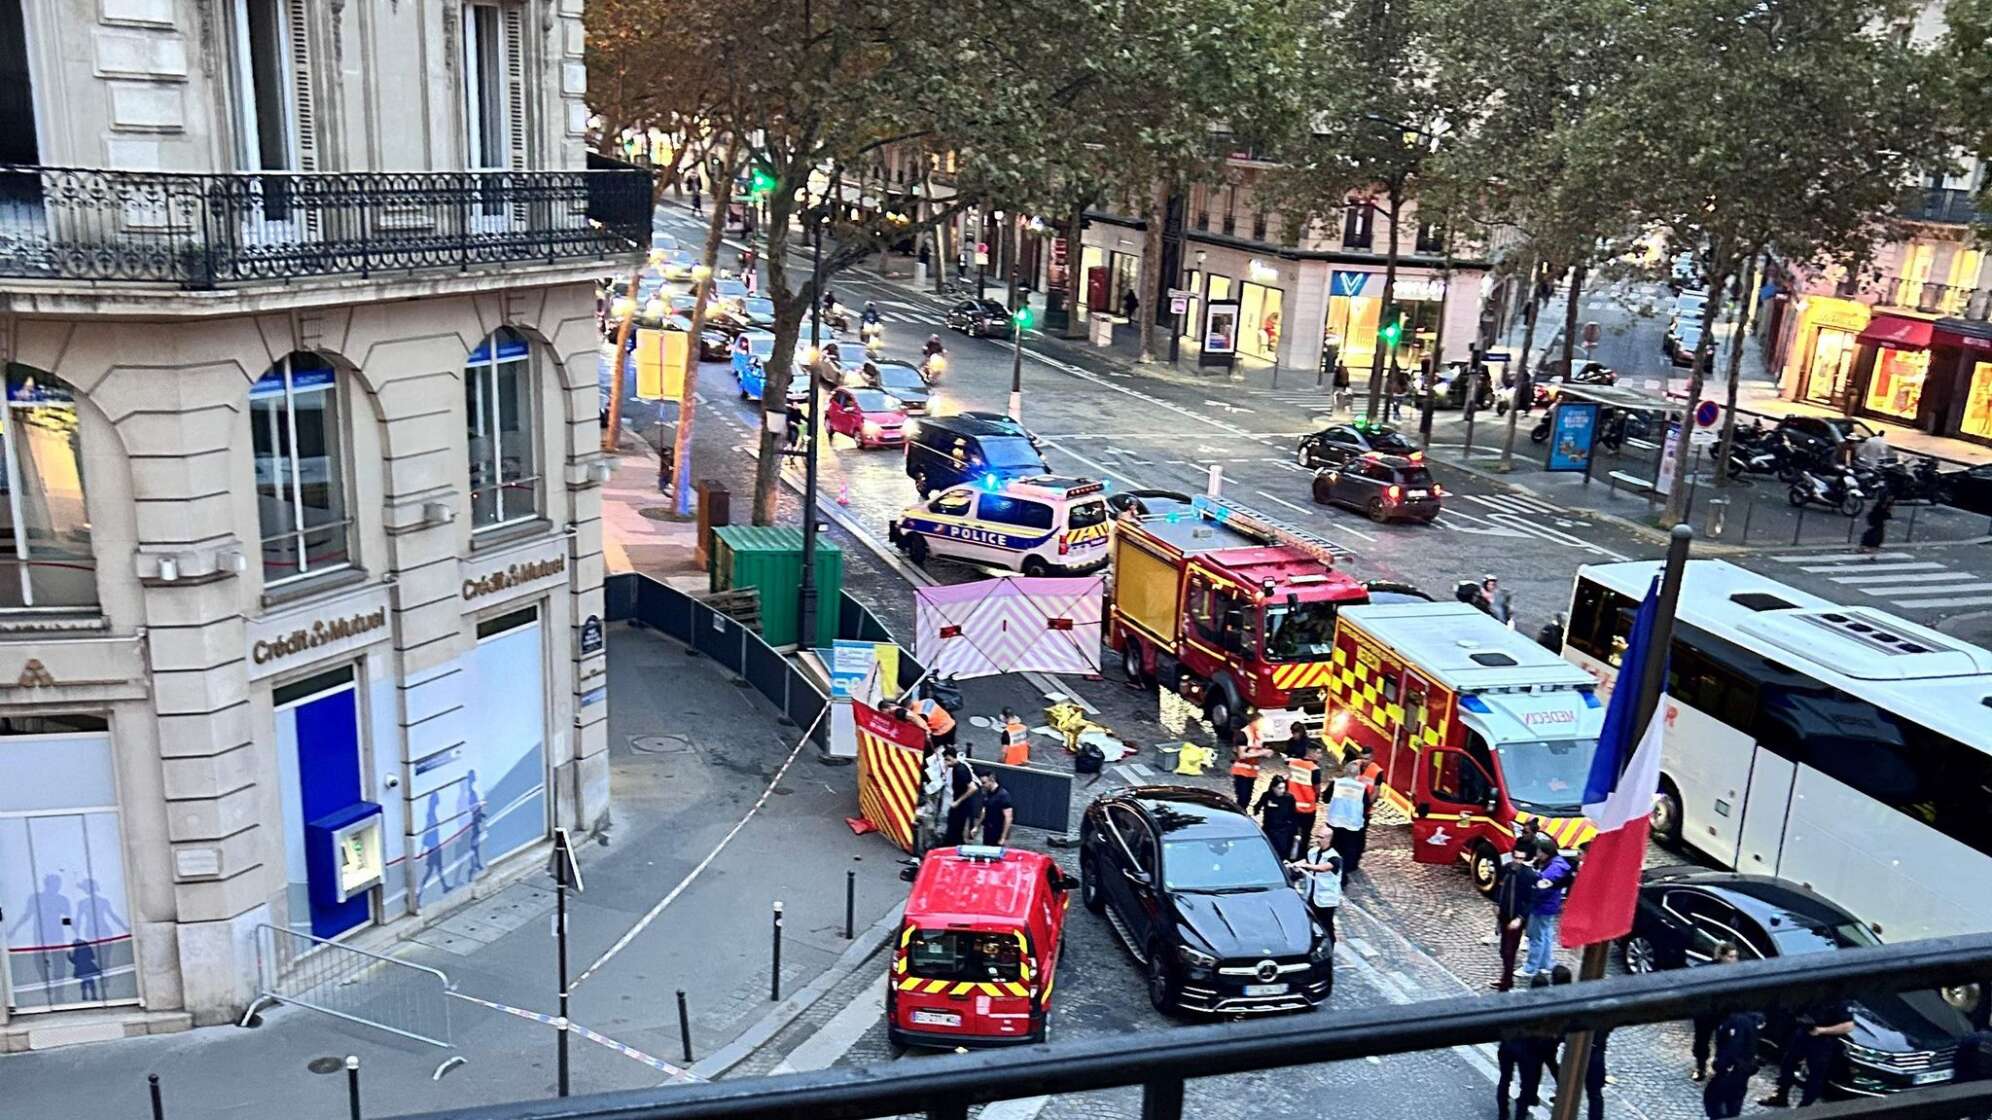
(300, 470)
(46, 547)
(498, 404)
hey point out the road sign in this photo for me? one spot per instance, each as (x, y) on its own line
(1497, 356)
(1182, 293)
(1707, 413)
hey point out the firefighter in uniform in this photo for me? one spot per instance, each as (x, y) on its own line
(1304, 782)
(1246, 753)
(1016, 741)
(940, 722)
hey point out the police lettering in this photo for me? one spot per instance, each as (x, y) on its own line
(323, 632)
(977, 536)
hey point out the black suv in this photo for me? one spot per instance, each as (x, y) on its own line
(981, 318)
(1195, 891)
(1383, 487)
(1336, 445)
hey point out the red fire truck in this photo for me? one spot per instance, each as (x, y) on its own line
(1476, 727)
(1228, 607)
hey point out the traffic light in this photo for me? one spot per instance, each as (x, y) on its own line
(1391, 325)
(1022, 317)
(760, 183)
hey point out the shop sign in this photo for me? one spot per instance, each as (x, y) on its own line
(1571, 436)
(1835, 313)
(512, 576)
(321, 633)
(1420, 289)
(1345, 283)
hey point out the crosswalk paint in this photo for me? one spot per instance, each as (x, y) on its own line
(1963, 601)
(1877, 569)
(1513, 503)
(1918, 596)
(1839, 557)
(1919, 577)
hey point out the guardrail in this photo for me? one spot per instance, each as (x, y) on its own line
(1162, 1062)
(409, 1000)
(201, 231)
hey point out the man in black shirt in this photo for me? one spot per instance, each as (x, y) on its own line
(963, 796)
(1815, 1042)
(1514, 893)
(1734, 1040)
(997, 812)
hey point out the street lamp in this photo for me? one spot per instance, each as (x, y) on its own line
(806, 594)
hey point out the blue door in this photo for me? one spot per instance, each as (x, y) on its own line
(321, 737)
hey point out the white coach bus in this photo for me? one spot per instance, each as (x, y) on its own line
(1838, 747)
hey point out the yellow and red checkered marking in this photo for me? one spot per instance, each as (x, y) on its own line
(1568, 832)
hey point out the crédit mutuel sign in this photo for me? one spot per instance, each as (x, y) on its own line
(322, 632)
(514, 575)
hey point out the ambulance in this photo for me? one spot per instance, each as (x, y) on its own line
(1477, 729)
(978, 949)
(1037, 525)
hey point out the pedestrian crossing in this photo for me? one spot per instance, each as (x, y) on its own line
(1899, 579)
(1514, 503)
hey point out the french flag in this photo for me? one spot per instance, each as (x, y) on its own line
(1618, 798)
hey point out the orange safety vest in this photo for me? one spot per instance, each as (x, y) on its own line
(1371, 772)
(1016, 744)
(1301, 785)
(1242, 767)
(939, 720)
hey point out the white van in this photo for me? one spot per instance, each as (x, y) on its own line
(1036, 525)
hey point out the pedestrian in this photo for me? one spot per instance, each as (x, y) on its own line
(1546, 908)
(1514, 893)
(1527, 1055)
(1499, 603)
(940, 722)
(1735, 1041)
(1245, 758)
(1276, 815)
(964, 795)
(1594, 1076)
(692, 184)
(1877, 522)
(1524, 391)
(1130, 305)
(934, 796)
(1320, 868)
(1400, 388)
(1705, 1024)
(1815, 1043)
(1304, 783)
(1349, 801)
(1343, 400)
(1016, 741)
(1299, 744)
(1550, 637)
(998, 812)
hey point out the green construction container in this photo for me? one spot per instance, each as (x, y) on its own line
(770, 558)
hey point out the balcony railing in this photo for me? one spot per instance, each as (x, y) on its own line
(202, 231)
(1938, 204)
(1948, 300)
(1163, 1063)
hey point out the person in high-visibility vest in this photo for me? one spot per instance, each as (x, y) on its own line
(1016, 740)
(1304, 782)
(1349, 801)
(1245, 757)
(940, 722)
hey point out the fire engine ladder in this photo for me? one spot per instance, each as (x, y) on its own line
(1271, 529)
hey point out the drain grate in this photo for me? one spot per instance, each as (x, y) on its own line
(325, 1065)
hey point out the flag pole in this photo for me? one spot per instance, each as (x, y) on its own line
(1576, 1062)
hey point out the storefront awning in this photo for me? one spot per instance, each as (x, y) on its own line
(1897, 333)
(1963, 333)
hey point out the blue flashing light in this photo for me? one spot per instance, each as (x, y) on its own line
(991, 482)
(1591, 699)
(1474, 704)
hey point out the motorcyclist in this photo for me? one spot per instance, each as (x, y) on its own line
(870, 317)
(829, 302)
(933, 348)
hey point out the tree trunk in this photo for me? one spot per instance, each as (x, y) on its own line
(1151, 268)
(937, 250)
(681, 447)
(1438, 358)
(1075, 270)
(789, 307)
(1677, 494)
(1529, 315)
(1577, 273)
(1396, 200)
(1745, 305)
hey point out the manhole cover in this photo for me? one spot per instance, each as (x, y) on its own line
(325, 1065)
(660, 744)
(664, 513)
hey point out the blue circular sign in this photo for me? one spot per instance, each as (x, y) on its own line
(1706, 412)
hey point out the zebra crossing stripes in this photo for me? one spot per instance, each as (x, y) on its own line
(1514, 503)
(1897, 579)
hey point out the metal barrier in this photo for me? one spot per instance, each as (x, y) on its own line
(410, 1000)
(1162, 1062)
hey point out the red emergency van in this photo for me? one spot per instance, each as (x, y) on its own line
(978, 950)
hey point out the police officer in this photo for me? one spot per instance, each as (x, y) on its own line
(1528, 1055)
(1735, 1041)
(1705, 1025)
(1349, 801)
(1814, 1042)
(964, 796)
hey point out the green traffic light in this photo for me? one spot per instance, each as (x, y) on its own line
(1022, 316)
(760, 183)
(1391, 332)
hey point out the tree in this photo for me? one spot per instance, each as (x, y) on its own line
(1966, 54)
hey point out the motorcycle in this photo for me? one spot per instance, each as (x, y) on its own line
(1753, 451)
(1922, 482)
(932, 367)
(837, 317)
(1835, 489)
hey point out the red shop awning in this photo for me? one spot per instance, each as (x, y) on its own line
(1897, 333)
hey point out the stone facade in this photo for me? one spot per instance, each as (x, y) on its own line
(208, 665)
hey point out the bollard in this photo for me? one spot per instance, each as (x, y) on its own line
(1718, 515)
(158, 1105)
(850, 905)
(1912, 526)
(1798, 530)
(775, 974)
(1749, 512)
(353, 1085)
(684, 1026)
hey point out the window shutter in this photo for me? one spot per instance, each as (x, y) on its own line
(297, 15)
(515, 88)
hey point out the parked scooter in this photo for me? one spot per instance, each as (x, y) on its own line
(1834, 488)
(1921, 482)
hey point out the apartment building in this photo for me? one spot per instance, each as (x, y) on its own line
(300, 577)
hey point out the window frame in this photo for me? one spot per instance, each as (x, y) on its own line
(335, 475)
(10, 463)
(485, 376)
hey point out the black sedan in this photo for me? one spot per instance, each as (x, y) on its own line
(981, 318)
(1336, 445)
(1383, 487)
(1971, 490)
(1900, 1040)
(902, 380)
(1194, 890)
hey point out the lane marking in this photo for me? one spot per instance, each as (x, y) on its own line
(1557, 536)
(1840, 558)
(1339, 527)
(1926, 577)
(1968, 601)
(1922, 566)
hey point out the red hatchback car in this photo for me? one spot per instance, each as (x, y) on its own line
(870, 417)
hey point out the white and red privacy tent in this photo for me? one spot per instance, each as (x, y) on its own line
(1011, 624)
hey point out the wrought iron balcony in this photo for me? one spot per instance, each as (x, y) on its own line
(1948, 300)
(1950, 207)
(203, 231)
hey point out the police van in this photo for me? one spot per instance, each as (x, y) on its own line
(1035, 525)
